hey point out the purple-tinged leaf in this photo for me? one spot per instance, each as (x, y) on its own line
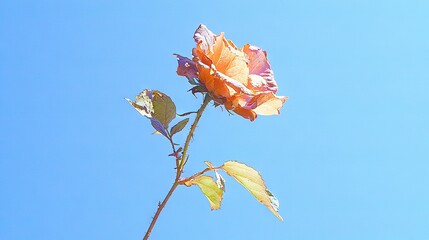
(158, 126)
(179, 126)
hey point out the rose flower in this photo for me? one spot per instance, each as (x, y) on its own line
(240, 79)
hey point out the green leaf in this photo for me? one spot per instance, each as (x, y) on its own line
(210, 189)
(157, 107)
(253, 182)
(164, 109)
(179, 126)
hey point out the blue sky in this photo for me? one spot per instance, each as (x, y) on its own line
(347, 158)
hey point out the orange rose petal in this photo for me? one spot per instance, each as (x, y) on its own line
(229, 60)
(264, 103)
(257, 83)
(204, 75)
(220, 88)
(212, 82)
(200, 56)
(238, 86)
(216, 52)
(209, 74)
(204, 38)
(271, 106)
(246, 113)
(260, 66)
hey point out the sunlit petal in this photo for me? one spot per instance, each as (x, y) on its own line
(260, 66)
(204, 38)
(271, 106)
(186, 67)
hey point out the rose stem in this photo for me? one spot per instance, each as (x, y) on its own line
(179, 169)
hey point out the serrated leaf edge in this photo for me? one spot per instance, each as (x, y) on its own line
(241, 179)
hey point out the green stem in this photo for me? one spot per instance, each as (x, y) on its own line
(182, 162)
(159, 210)
(181, 165)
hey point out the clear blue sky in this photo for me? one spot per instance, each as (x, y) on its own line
(348, 158)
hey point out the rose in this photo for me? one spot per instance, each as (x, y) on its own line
(240, 79)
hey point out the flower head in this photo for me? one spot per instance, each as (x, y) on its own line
(240, 79)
